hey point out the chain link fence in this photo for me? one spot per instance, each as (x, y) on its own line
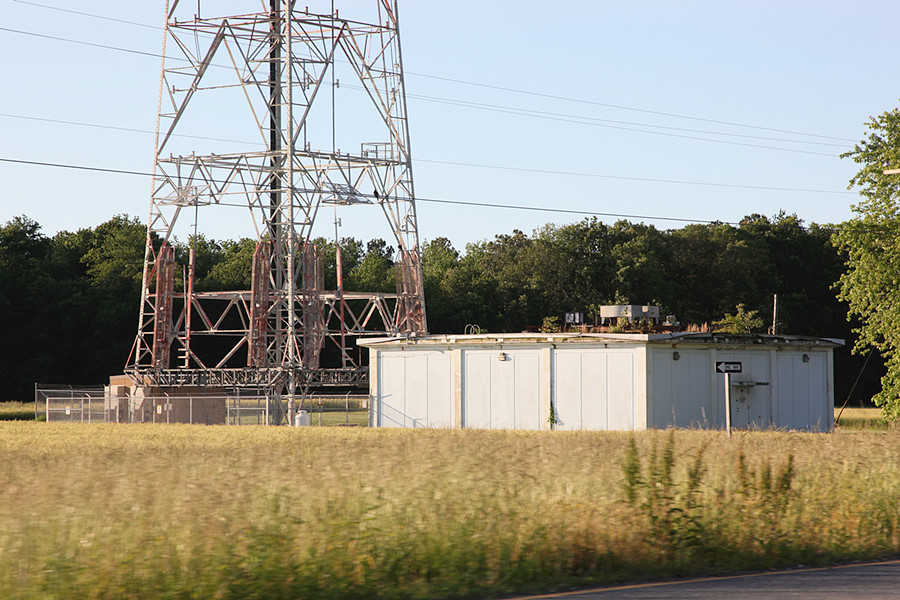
(336, 410)
(99, 404)
(83, 403)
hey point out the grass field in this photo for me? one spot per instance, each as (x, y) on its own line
(16, 411)
(178, 511)
(861, 418)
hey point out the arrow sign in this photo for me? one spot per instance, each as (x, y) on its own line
(728, 366)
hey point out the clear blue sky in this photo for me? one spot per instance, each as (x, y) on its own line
(614, 67)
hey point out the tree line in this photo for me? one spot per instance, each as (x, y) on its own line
(69, 302)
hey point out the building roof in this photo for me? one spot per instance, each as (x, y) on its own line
(587, 339)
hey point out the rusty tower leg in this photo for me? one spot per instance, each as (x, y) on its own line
(165, 290)
(259, 305)
(410, 315)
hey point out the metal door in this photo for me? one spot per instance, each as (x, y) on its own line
(750, 396)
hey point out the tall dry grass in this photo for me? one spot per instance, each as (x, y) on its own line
(17, 411)
(143, 511)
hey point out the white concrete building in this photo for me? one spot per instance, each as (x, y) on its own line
(600, 381)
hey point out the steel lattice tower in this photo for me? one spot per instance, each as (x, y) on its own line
(269, 77)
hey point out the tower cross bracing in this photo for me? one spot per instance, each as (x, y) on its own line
(281, 147)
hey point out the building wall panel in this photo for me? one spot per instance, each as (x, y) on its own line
(680, 389)
(476, 390)
(440, 390)
(392, 395)
(569, 388)
(501, 394)
(594, 393)
(620, 390)
(802, 393)
(594, 389)
(527, 374)
(414, 389)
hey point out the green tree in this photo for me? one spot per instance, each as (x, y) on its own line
(114, 262)
(439, 257)
(871, 241)
(69, 303)
(233, 269)
(207, 254)
(641, 263)
(26, 295)
(468, 293)
(743, 321)
(375, 272)
(115, 259)
(512, 262)
(713, 267)
(588, 248)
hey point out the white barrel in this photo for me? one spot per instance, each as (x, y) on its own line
(301, 419)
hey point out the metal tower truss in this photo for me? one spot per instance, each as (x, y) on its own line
(251, 117)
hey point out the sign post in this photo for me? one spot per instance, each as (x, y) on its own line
(728, 403)
(728, 367)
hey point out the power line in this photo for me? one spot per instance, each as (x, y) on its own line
(85, 14)
(472, 165)
(118, 128)
(676, 135)
(567, 211)
(418, 199)
(561, 116)
(598, 122)
(627, 178)
(474, 105)
(517, 111)
(37, 163)
(83, 43)
(620, 107)
(453, 80)
(497, 108)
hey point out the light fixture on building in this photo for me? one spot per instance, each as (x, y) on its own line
(806, 358)
(502, 356)
(676, 355)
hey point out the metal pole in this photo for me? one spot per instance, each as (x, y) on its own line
(728, 403)
(291, 239)
(775, 314)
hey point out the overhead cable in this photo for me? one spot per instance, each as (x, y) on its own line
(452, 80)
(588, 213)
